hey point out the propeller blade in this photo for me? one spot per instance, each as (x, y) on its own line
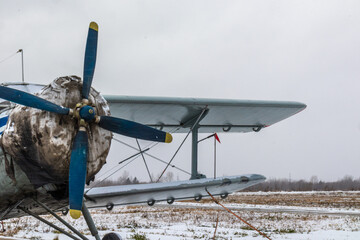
(133, 129)
(90, 58)
(77, 172)
(30, 100)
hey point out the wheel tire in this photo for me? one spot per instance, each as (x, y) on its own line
(112, 236)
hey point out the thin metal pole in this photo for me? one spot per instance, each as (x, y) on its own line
(214, 157)
(194, 152)
(61, 220)
(22, 63)
(90, 222)
(48, 223)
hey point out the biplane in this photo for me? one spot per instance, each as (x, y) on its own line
(55, 139)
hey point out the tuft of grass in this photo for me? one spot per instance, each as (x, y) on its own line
(139, 236)
(289, 230)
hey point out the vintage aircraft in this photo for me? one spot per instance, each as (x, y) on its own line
(56, 141)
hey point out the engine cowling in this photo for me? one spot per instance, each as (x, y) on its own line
(40, 142)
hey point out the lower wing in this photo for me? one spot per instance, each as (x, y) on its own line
(157, 192)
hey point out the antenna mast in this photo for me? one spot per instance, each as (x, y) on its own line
(22, 62)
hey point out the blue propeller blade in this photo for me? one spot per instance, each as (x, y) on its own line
(90, 59)
(133, 129)
(77, 172)
(30, 100)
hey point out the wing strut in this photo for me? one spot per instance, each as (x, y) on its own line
(194, 155)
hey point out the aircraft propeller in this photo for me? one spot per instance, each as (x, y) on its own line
(85, 114)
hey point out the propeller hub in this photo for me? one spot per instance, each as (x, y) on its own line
(87, 113)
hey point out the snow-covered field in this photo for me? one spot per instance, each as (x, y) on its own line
(306, 215)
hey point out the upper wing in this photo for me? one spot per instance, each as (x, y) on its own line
(219, 115)
(149, 193)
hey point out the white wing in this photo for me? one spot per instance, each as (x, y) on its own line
(156, 192)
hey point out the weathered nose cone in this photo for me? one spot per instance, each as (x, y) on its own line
(40, 142)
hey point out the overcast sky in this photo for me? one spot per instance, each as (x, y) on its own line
(305, 51)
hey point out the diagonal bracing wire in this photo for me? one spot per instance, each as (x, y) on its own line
(142, 155)
(136, 155)
(122, 161)
(152, 156)
(143, 152)
(3, 60)
(115, 171)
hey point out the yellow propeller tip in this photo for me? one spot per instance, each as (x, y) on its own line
(168, 138)
(75, 214)
(93, 25)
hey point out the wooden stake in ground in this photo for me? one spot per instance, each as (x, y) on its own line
(217, 202)
(217, 222)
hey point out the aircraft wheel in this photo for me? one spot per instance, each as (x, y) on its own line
(170, 200)
(198, 198)
(151, 202)
(112, 236)
(224, 195)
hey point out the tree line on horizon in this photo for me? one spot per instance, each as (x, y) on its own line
(126, 179)
(347, 183)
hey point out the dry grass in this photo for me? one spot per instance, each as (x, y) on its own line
(336, 199)
(190, 223)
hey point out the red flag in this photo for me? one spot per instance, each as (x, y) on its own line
(217, 137)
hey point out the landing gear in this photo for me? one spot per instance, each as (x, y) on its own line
(87, 217)
(112, 236)
(90, 222)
